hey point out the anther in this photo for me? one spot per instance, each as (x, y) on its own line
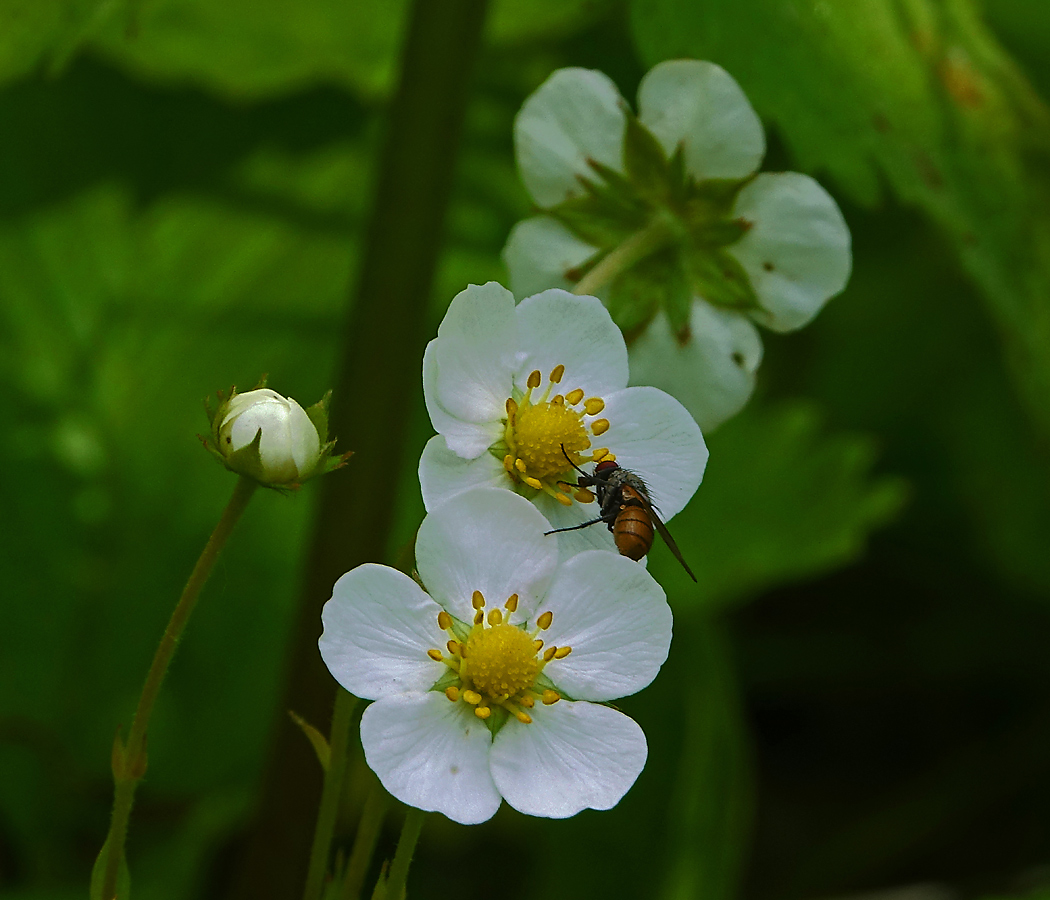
(533, 482)
(574, 397)
(495, 617)
(479, 617)
(472, 697)
(600, 454)
(482, 712)
(565, 487)
(537, 645)
(548, 654)
(584, 496)
(550, 697)
(534, 379)
(544, 621)
(522, 717)
(477, 600)
(556, 373)
(435, 655)
(600, 426)
(557, 400)
(512, 408)
(508, 462)
(563, 500)
(453, 647)
(594, 405)
(512, 603)
(519, 464)
(527, 700)
(452, 692)
(562, 652)
(444, 621)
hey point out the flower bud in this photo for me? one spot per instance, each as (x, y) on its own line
(271, 438)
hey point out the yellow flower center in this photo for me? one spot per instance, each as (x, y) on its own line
(498, 663)
(538, 428)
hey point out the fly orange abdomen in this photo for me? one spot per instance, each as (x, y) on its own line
(633, 527)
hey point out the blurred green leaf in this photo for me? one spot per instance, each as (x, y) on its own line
(782, 499)
(917, 93)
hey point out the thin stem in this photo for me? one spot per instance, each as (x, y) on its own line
(638, 246)
(406, 846)
(331, 793)
(368, 828)
(129, 760)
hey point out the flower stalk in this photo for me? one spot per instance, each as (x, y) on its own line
(129, 757)
(406, 847)
(622, 257)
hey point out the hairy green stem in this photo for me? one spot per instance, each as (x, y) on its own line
(406, 846)
(331, 793)
(368, 828)
(129, 758)
(638, 246)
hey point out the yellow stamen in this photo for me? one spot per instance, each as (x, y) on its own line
(444, 621)
(557, 372)
(575, 396)
(600, 454)
(479, 617)
(512, 603)
(550, 697)
(477, 600)
(472, 697)
(563, 500)
(534, 379)
(495, 617)
(522, 716)
(544, 621)
(512, 407)
(548, 654)
(562, 652)
(537, 645)
(452, 692)
(482, 712)
(508, 463)
(435, 655)
(584, 496)
(519, 464)
(453, 647)
(533, 482)
(527, 700)
(600, 426)
(594, 405)
(557, 400)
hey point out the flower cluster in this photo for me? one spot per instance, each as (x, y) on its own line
(662, 215)
(491, 671)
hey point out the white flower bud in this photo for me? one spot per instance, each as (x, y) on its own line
(289, 446)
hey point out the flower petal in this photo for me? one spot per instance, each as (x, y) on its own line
(575, 115)
(473, 357)
(469, 439)
(444, 474)
(539, 252)
(302, 437)
(559, 328)
(487, 540)
(712, 374)
(572, 756)
(797, 251)
(653, 435)
(432, 754)
(699, 105)
(615, 617)
(378, 627)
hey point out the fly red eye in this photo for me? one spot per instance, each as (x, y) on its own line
(606, 466)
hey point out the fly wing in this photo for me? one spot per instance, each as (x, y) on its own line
(642, 498)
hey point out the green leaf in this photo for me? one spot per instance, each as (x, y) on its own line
(915, 95)
(781, 500)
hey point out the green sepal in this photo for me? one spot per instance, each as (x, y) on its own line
(645, 162)
(318, 414)
(721, 233)
(98, 872)
(704, 204)
(720, 279)
(317, 740)
(607, 213)
(658, 281)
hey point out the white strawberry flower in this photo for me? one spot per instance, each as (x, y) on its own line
(520, 393)
(490, 683)
(770, 248)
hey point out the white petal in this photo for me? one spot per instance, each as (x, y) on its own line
(575, 115)
(559, 328)
(487, 540)
(593, 537)
(432, 754)
(378, 627)
(615, 617)
(444, 474)
(699, 105)
(466, 439)
(653, 435)
(474, 354)
(303, 439)
(797, 251)
(539, 252)
(712, 374)
(572, 756)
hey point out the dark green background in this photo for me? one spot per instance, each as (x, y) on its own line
(857, 696)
